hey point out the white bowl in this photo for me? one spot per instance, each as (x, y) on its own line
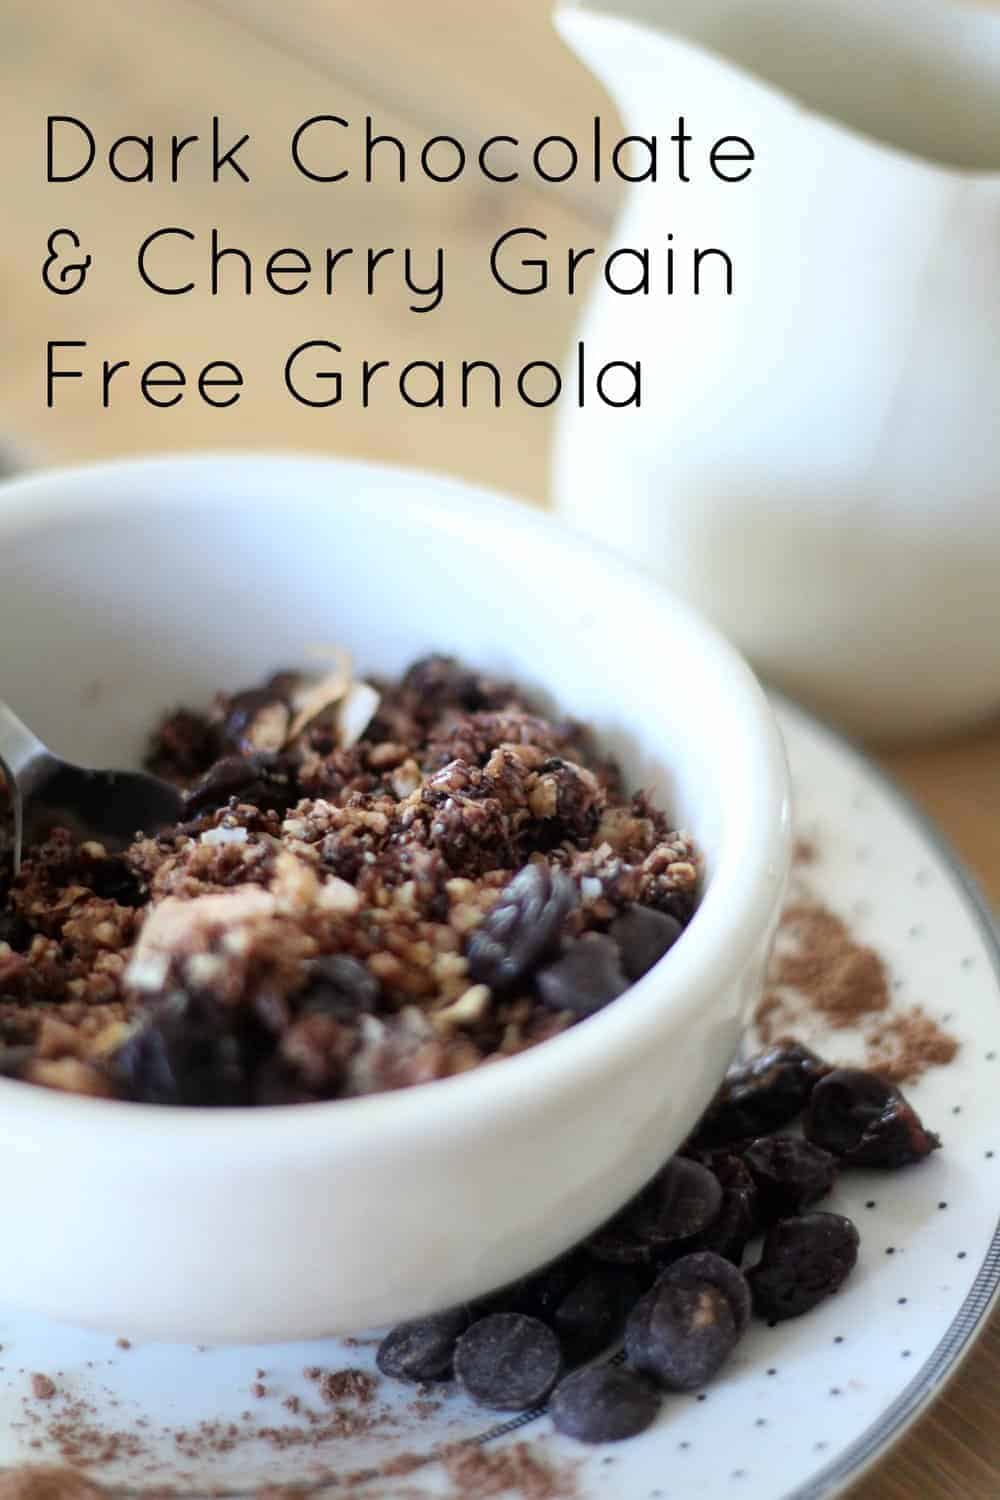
(129, 587)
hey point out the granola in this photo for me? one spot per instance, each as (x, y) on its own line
(376, 885)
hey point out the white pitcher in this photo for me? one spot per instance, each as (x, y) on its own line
(816, 462)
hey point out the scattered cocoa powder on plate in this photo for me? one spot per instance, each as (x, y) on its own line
(70, 1428)
(48, 1482)
(337, 1386)
(481, 1473)
(424, 1407)
(81, 1441)
(821, 970)
(841, 978)
(904, 1046)
(403, 1464)
(42, 1387)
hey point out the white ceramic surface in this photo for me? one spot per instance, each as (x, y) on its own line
(817, 458)
(801, 1409)
(129, 587)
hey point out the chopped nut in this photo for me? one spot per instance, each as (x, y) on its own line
(203, 969)
(268, 730)
(110, 1038)
(294, 885)
(358, 708)
(56, 1039)
(224, 835)
(320, 696)
(406, 779)
(69, 1075)
(469, 1008)
(335, 895)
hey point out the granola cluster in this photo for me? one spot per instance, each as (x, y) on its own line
(374, 887)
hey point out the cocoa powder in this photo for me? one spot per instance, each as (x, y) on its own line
(842, 979)
(906, 1045)
(336, 1386)
(481, 1473)
(48, 1482)
(821, 972)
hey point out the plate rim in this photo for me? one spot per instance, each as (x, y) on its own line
(878, 1440)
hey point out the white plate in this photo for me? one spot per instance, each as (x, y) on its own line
(800, 1410)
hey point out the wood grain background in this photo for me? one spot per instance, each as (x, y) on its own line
(443, 65)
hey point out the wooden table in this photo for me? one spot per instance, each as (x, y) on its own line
(417, 70)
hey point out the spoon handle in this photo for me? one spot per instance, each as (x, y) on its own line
(22, 758)
(21, 752)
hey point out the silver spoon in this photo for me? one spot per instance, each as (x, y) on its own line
(110, 807)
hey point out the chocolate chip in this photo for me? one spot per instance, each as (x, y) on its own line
(791, 1174)
(761, 1095)
(682, 1200)
(340, 987)
(804, 1260)
(184, 745)
(226, 778)
(540, 1294)
(592, 1314)
(258, 719)
(604, 1404)
(521, 927)
(15, 932)
(736, 1222)
(112, 880)
(13, 1059)
(575, 809)
(422, 1349)
(184, 1052)
(617, 1243)
(508, 1362)
(435, 683)
(586, 978)
(643, 936)
(866, 1121)
(705, 1266)
(680, 1335)
(142, 1068)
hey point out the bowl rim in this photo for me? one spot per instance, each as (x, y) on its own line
(738, 907)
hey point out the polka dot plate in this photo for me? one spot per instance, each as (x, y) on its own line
(800, 1410)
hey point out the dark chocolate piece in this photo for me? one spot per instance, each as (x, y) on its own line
(680, 1335)
(604, 1404)
(508, 1362)
(804, 1261)
(643, 936)
(521, 927)
(423, 1348)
